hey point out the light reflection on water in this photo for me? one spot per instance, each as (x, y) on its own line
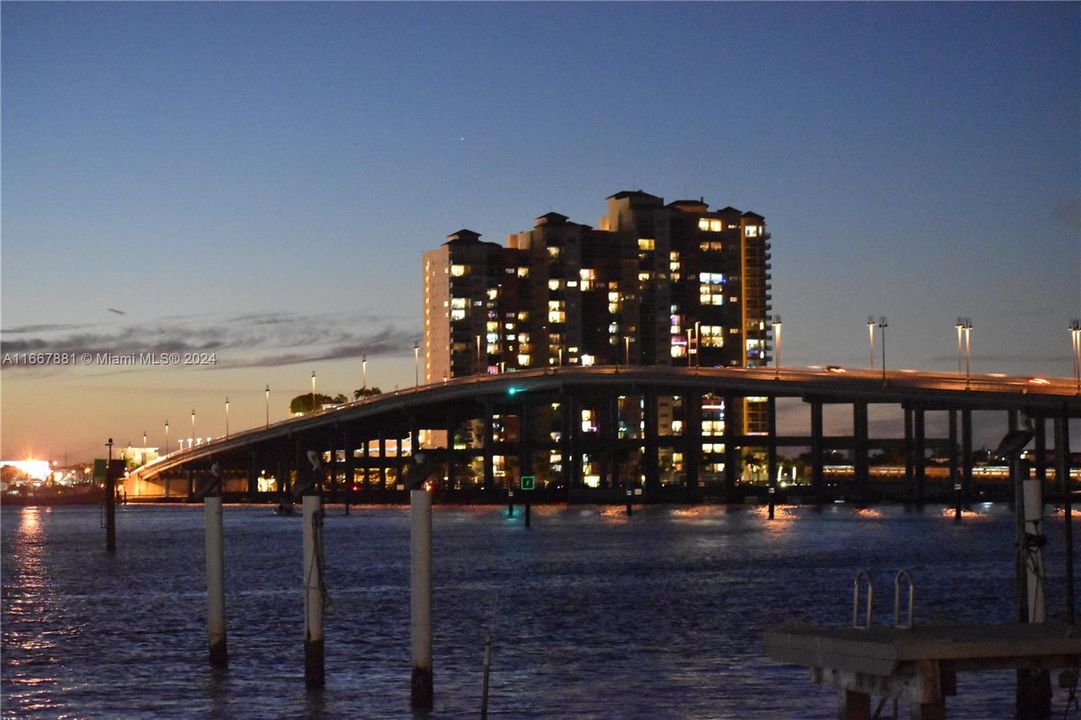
(594, 614)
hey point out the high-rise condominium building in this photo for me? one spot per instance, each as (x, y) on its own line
(654, 284)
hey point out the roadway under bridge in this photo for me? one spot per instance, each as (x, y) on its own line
(597, 432)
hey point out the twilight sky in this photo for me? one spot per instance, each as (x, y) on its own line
(259, 181)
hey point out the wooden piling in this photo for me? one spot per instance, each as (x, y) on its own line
(313, 590)
(215, 581)
(420, 598)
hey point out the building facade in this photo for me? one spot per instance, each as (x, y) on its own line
(653, 283)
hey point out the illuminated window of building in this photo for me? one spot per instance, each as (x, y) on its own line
(509, 326)
(572, 283)
(711, 288)
(457, 314)
(492, 326)
(679, 349)
(493, 293)
(716, 225)
(555, 284)
(644, 276)
(588, 360)
(588, 424)
(710, 246)
(457, 270)
(492, 338)
(587, 274)
(673, 262)
(523, 360)
(523, 272)
(523, 315)
(553, 252)
(613, 328)
(555, 311)
(752, 231)
(711, 335)
(703, 223)
(646, 244)
(493, 348)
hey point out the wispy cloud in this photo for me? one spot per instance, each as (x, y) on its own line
(242, 341)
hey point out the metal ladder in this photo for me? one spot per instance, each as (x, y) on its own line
(903, 577)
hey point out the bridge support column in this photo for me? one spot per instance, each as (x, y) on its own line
(955, 477)
(313, 590)
(651, 459)
(966, 456)
(452, 429)
(732, 420)
(191, 485)
(1062, 472)
(420, 598)
(1039, 427)
(525, 440)
(818, 479)
(909, 453)
(253, 476)
(771, 451)
(349, 449)
(489, 441)
(382, 460)
(610, 430)
(859, 454)
(919, 454)
(692, 449)
(215, 580)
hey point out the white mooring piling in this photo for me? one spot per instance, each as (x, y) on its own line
(215, 581)
(313, 590)
(420, 598)
(1037, 603)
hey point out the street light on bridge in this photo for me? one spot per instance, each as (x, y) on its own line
(871, 337)
(964, 345)
(313, 391)
(416, 364)
(1075, 336)
(166, 437)
(364, 372)
(192, 441)
(226, 416)
(268, 406)
(882, 325)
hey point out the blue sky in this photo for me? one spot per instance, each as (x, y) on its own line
(261, 179)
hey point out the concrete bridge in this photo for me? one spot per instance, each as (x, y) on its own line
(656, 429)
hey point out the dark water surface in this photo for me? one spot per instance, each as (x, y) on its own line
(595, 615)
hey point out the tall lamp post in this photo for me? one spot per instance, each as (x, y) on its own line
(313, 391)
(871, 337)
(1075, 336)
(960, 327)
(777, 340)
(192, 427)
(882, 325)
(226, 416)
(967, 327)
(416, 364)
(364, 371)
(166, 437)
(268, 406)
